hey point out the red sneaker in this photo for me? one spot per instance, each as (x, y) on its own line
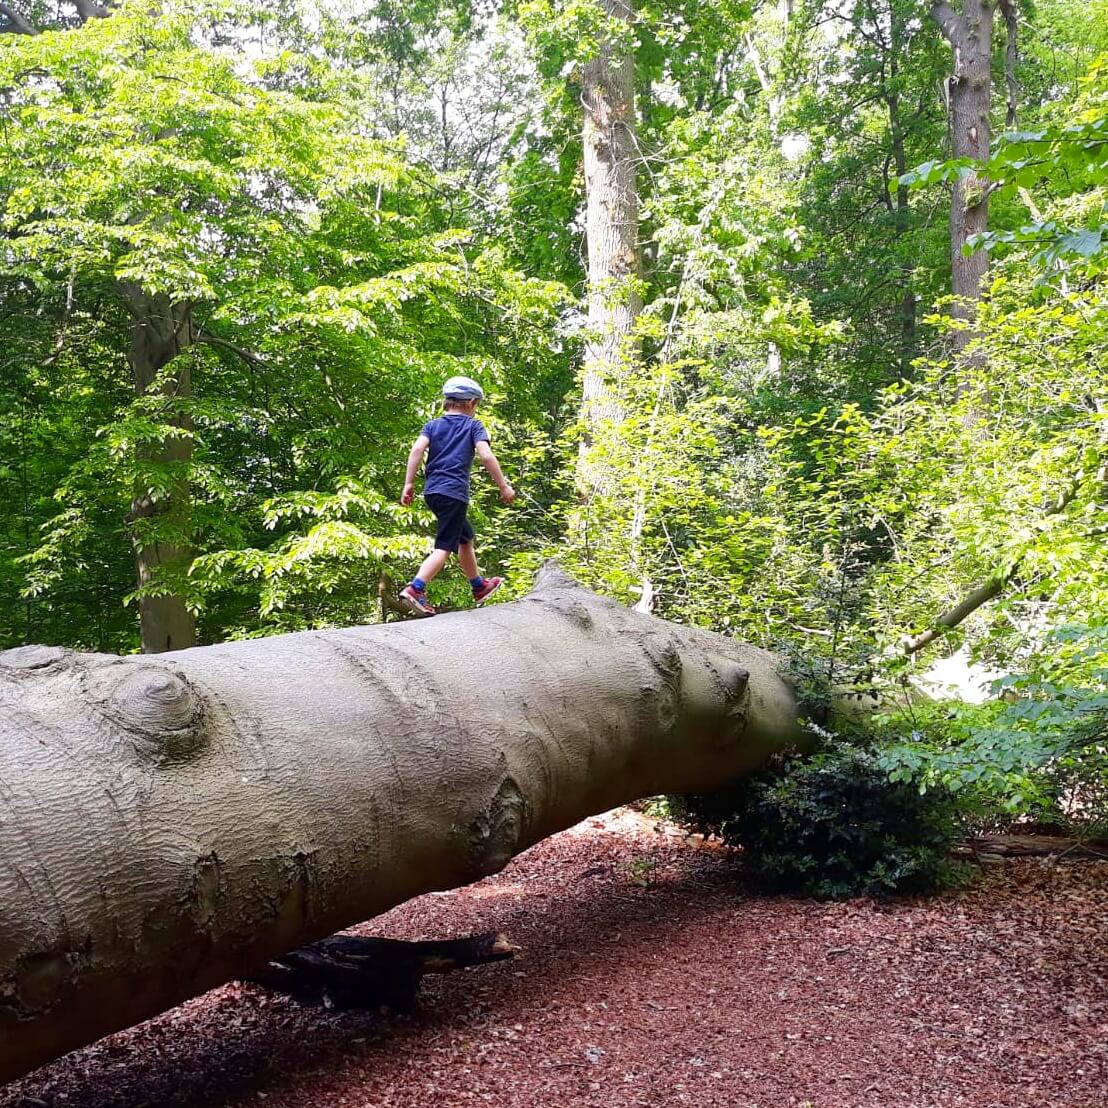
(486, 590)
(416, 599)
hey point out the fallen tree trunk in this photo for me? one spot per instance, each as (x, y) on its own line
(1034, 846)
(168, 823)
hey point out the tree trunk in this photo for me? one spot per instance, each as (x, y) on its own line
(167, 824)
(611, 232)
(160, 331)
(970, 93)
(903, 213)
(1010, 11)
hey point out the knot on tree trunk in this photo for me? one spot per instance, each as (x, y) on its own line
(495, 835)
(26, 659)
(159, 710)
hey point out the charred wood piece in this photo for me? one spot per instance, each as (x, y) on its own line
(346, 971)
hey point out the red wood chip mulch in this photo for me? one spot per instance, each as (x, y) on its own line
(647, 977)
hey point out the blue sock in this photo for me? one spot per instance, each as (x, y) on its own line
(476, 582)
(418, 585)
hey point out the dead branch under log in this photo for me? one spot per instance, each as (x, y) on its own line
(348, 971)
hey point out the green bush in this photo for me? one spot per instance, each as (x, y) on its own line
(831, 824)
(1037, 751)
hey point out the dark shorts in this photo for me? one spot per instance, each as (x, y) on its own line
(453, 527)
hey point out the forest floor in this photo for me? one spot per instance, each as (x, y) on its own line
(647, 977)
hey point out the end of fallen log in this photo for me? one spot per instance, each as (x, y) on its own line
(347, 971)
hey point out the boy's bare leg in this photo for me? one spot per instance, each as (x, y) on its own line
(432, 564)
(467, 559)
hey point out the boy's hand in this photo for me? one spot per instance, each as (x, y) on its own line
(507, 493)
(408, 494)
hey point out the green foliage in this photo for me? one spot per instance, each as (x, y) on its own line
(1040, 749)
(1068, 158)
(331, 291)
(833, 825)
(568, 33)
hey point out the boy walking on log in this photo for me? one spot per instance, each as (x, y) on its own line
(450, 442)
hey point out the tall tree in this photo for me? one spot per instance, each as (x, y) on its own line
(969, 95)
(611, 158)
(165, 195)
(161, 331)
(969, 32)
(281, 293)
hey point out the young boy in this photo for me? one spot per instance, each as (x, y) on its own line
(450, 442)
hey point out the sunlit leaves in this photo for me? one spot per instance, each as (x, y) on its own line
(1069, 159)
(331, 287)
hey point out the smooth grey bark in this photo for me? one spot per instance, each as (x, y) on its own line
(612, 237)
(171, 822)
(161, 330)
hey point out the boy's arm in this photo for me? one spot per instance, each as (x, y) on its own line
(488, 460)
(415, 456)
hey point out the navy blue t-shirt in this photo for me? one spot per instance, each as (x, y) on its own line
(454, 438)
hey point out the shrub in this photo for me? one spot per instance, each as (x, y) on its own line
(831, 824)
(1037, 754)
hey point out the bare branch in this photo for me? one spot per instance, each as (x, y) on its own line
(983, 593)
(247, 356)
(952, 25)
(956, 615)
(17, 24)
(89, 9)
